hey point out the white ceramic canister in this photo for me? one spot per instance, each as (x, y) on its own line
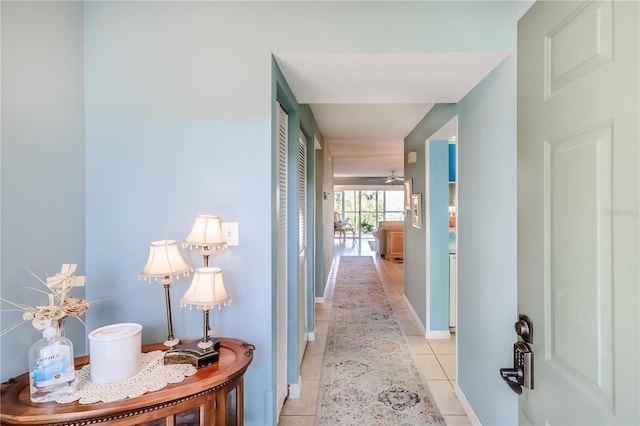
(115, 352)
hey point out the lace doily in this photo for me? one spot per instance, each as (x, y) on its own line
(153, 375)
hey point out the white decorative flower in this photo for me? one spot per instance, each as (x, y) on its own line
(61, 304)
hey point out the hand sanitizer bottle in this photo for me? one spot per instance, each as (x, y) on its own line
(51, 372)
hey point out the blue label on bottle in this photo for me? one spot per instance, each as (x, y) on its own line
(51, 367)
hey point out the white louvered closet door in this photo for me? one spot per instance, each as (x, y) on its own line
(302, 246)
(281, 261)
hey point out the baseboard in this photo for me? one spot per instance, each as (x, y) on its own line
(438, 334)
(295, 389)
(413, 314)
(471, 415)
(321, 299)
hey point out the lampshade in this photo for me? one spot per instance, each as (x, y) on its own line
(206, 290)
(206, 232)
(164, 260)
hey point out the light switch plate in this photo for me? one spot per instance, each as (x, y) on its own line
(230, 231)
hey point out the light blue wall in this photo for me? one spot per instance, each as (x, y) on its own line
(486, 235)
(452, 162)
(438, 252)
(487, 240)
(42, 166)
(487, 290)
(179, 122)
(415, 240)
(486, 232)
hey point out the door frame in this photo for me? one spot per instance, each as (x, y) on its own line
(441, 134)
(295, 126)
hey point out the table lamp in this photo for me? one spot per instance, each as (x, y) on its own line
(205, 292)
(164, 262)
(207, 234)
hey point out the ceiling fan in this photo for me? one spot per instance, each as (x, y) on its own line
(394, 178)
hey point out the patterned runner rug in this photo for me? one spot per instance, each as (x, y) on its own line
(368, 375)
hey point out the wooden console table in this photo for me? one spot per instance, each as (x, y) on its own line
(212, 396)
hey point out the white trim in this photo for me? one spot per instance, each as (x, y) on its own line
(438, 334)
(413, 313)
(471, 415)
(326, 288)
(435, 334)
(295, 389)
(312, 336)
(330, 280)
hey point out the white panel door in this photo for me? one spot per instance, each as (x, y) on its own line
(281, 262)
(578, 191)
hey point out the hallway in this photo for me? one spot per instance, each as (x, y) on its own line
(435, 358)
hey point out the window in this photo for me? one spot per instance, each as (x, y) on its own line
(366, 208)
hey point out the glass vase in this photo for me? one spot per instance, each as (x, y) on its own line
(58, 325)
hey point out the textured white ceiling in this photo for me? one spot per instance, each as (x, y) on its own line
(368, 121)
(367, 157)
(366, 103)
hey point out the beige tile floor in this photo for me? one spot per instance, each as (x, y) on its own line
(436, 359)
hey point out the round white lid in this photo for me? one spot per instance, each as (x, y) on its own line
(116, 331)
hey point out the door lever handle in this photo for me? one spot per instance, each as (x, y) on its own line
(513, 377)
(521, 375)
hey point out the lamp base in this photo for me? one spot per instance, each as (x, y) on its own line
(171, 342)
(192, 354)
